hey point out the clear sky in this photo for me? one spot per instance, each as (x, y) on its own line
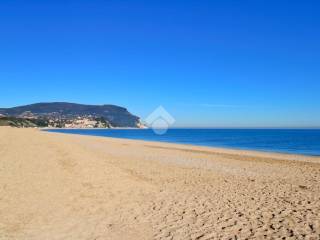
(209, 63)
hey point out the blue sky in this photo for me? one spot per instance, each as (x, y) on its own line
(209, 63)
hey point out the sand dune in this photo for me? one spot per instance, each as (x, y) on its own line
(56, 186)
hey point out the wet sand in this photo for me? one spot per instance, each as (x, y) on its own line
(59, 186)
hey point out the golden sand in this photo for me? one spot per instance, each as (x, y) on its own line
(57, 186)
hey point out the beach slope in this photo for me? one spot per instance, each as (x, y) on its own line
(58, 186)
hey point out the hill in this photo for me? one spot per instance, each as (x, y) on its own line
(63, 114)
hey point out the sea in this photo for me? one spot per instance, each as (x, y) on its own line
(291, 141)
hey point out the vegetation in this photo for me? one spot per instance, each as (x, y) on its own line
(22, 122)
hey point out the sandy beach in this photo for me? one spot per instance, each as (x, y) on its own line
(57, 186)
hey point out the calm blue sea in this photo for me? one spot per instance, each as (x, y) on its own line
(295, 141)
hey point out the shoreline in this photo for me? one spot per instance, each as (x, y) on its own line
(113, 128)
(65, 186)
(206, 149)
(253, 151)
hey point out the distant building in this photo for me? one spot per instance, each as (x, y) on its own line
(27, 115)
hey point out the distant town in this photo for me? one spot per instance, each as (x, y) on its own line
(87, 121)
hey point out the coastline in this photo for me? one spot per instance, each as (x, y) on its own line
(221, 148)
(64, 186)
(113, 128)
